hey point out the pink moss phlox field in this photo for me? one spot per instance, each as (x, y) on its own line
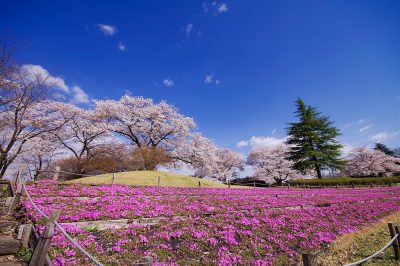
(206, 226)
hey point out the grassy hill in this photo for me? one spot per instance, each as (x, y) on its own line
(148, 178)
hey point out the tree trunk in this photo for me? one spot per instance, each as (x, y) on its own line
(318, 171)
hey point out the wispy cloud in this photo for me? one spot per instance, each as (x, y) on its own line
(79, 96)
(382, 136)
(168, 82)
(121, 46)
(204, 6)
(222, 8)
(107, 30)
(75, 94)
(347, 148)
(215, 7)
(209, 79)
(189, 28)
(37, 72)
(267, 141)
(365, 128)
(128, 92)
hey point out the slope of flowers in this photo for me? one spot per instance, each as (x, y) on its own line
(207, 226)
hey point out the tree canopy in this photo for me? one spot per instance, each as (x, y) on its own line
(312, 141)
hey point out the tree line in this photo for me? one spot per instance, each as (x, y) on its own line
(41, 130)
(311, 149)
(132, 133)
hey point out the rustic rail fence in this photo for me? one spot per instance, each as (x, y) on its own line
(394, 230)
(40, 243)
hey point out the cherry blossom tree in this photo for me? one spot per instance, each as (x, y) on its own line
(272, 163)
(364, 162)
(228, 164)
(145, 123)
(25, 119)
(81, 134)
(25, 109)
(39, 153)
(199, 153)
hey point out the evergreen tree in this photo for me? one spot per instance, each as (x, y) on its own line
(312, 141)
(383, 148)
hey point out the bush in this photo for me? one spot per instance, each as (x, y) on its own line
(346, 181)
(148, 158)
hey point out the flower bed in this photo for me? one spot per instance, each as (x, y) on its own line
(207, 226)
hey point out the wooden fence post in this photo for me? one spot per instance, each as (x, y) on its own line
(26, 235)
(113, 178)
(158, 181)
(229, 184)
(21, 170)
(254, 183)
(307, 259)
(352, 185)
(15, 201)
(288, 185)
(56, 173)
(397, 230)
(396, 249)
(199, 184)
(42, 246)
(145, 261)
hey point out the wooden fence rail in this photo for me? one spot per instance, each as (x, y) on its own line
(40, 243)
(394, 230)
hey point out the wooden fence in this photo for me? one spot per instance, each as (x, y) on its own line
(40, 243)
(394, 230)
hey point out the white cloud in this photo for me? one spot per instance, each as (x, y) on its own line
(222, 8)
(273, 131)
(381, 136)
(121, 46)
(261, 142)
(75, 94)
(128, 92)
(37, 72)
(168, 82)
(365, 127)
(79, 96)
(189, 29)
(209, 79)
(242, 143)
(347, 148)
(107, 30)
(361, 121)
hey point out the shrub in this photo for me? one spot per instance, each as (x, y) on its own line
(343, 181)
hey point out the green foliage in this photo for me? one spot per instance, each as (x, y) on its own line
(92, 229)
(312, 140)
(25, 254)
(346, 181)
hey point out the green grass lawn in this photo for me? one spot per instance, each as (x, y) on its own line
(149, 178)
(361, 244)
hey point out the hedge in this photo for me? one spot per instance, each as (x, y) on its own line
(346, 181)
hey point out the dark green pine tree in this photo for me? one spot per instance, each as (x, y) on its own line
(312, 141)
(383, 148)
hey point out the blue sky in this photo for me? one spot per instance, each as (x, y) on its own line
(236, 67)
